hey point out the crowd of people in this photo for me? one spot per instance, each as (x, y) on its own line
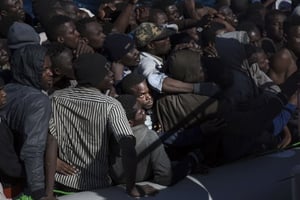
(101, 93)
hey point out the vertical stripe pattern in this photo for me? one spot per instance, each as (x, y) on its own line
(81, 123)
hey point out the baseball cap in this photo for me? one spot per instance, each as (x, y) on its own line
(148, 32)
(117, 45)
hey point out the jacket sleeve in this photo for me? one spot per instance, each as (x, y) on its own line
(160, 162)
(34, 133)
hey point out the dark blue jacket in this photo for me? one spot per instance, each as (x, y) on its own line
(28, 111)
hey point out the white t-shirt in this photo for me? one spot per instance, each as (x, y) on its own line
(150, 67)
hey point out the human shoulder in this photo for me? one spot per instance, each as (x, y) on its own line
(148, 133)
(147, 57)
(29, 94)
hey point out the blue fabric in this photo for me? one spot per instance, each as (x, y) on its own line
(27, 5)
(282, 119)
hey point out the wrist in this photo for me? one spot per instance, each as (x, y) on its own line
(196, 88)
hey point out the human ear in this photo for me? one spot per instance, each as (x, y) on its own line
(60, 39)
(57, 71)
(131, 123)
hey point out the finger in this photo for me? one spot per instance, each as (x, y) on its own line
(70, 169)
(62, 172)
(147, 190)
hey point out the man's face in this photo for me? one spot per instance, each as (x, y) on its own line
(229, 15)
(161, 47)
(160, 19)
(13, 9)
(141, 91)
(172, 13)
(47, 75)
(2, 96)
(275, 28)
(142, 14)
(132, 58)
(140, 115)
(95, 35)
(69, 35)
(294, 40)
(72, 10)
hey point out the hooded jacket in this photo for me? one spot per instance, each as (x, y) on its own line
(28, 111)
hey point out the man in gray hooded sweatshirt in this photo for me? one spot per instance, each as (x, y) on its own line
(27, 111)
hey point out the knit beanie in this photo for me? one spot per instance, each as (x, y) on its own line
(117, 45)
(90, 69)
(21, 34)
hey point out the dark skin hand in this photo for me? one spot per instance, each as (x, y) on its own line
(142, 191)
(210, 51)
(105, 10)
(287, 138)
(64, 168)
(83, 48)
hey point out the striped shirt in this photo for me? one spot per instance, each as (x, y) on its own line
(82, 122)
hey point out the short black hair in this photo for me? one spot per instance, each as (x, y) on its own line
(128, 102)
(153, 14)
(54, 50)
(129, 81)
(247, 26)
(54, 24)
(81, 25)
(271, 14)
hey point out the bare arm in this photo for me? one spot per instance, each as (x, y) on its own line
(50, 164)
(171, 85)
(129, 160)
(191, 9)
(122, 21)
(287, 138)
